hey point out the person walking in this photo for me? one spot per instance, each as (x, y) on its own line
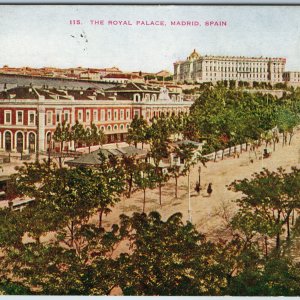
(197, 187)
(209, 189)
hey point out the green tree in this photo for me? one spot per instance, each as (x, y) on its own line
(93, 136)
(145, 178)
(137, 131)
(169, 258)
(62, 134)
(268, 200)
(77, 132)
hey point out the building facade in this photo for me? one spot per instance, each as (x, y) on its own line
(292, 78)
(30, 115)
(197, 68)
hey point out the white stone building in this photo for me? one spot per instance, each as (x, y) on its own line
(197, 68)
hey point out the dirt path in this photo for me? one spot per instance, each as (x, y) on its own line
(220, 174)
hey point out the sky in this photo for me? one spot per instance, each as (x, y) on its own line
(41, 35)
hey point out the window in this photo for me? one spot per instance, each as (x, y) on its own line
(121, 114)
(116, 127)
(80, 115)
(115, 114)
(109, 114)
(31, 118)
(49, 117)
(127, 114)
(57, 117)
(66, 116)
(137, 113)
(7, 114)
(136, 98)
(108, 128)
(102, 115)
(122, 127)
(88, 116)
(102, 128)
(95, 116)
(19, 117)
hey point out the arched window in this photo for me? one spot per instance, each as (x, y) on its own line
(136, 98)
(31, 138)
(121, 126)
(153, 97)
(102, 128)
(20, 142)
(108, 128)
(48, 137)
(116, 127)
(7, 140)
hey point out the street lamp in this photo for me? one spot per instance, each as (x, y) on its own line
(189, 198)
(199, 178)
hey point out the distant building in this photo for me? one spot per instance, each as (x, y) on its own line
(90, 75)
(292, 78)
(163, 73)
(197, 68)
(122, 78)
(29, 115)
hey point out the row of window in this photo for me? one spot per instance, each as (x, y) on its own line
(235, 76)
(19, 117)
(236, 69)
(90, 116)
(115, 127)
(121, 114)
(238, 63)
(153, 97)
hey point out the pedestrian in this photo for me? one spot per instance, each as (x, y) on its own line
(209, 189)
(197, 187)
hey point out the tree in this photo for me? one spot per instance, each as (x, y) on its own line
(176, 171)
(158, 139)
(137, 131)
(268, 201)
(275, 276)
(169, 258)
(62, 134)
(130, 166)
(77, 133)
(108, 183)
(93, 136)
(144, 178)
(287, 120)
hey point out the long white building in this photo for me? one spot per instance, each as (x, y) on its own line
(197, 68)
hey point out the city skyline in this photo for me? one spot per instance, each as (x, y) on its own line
(46, 37)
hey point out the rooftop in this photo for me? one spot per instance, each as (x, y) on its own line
(93, 158)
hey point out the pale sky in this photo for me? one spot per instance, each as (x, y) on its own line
(41, 36)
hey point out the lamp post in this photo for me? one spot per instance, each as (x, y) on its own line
(25, 141)
(199, 174)
(189, 198)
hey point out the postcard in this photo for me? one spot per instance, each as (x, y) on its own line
(149, 150)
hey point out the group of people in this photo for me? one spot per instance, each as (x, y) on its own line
(198, 188)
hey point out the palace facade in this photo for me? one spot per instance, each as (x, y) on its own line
(29, 115)
(197, 68)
